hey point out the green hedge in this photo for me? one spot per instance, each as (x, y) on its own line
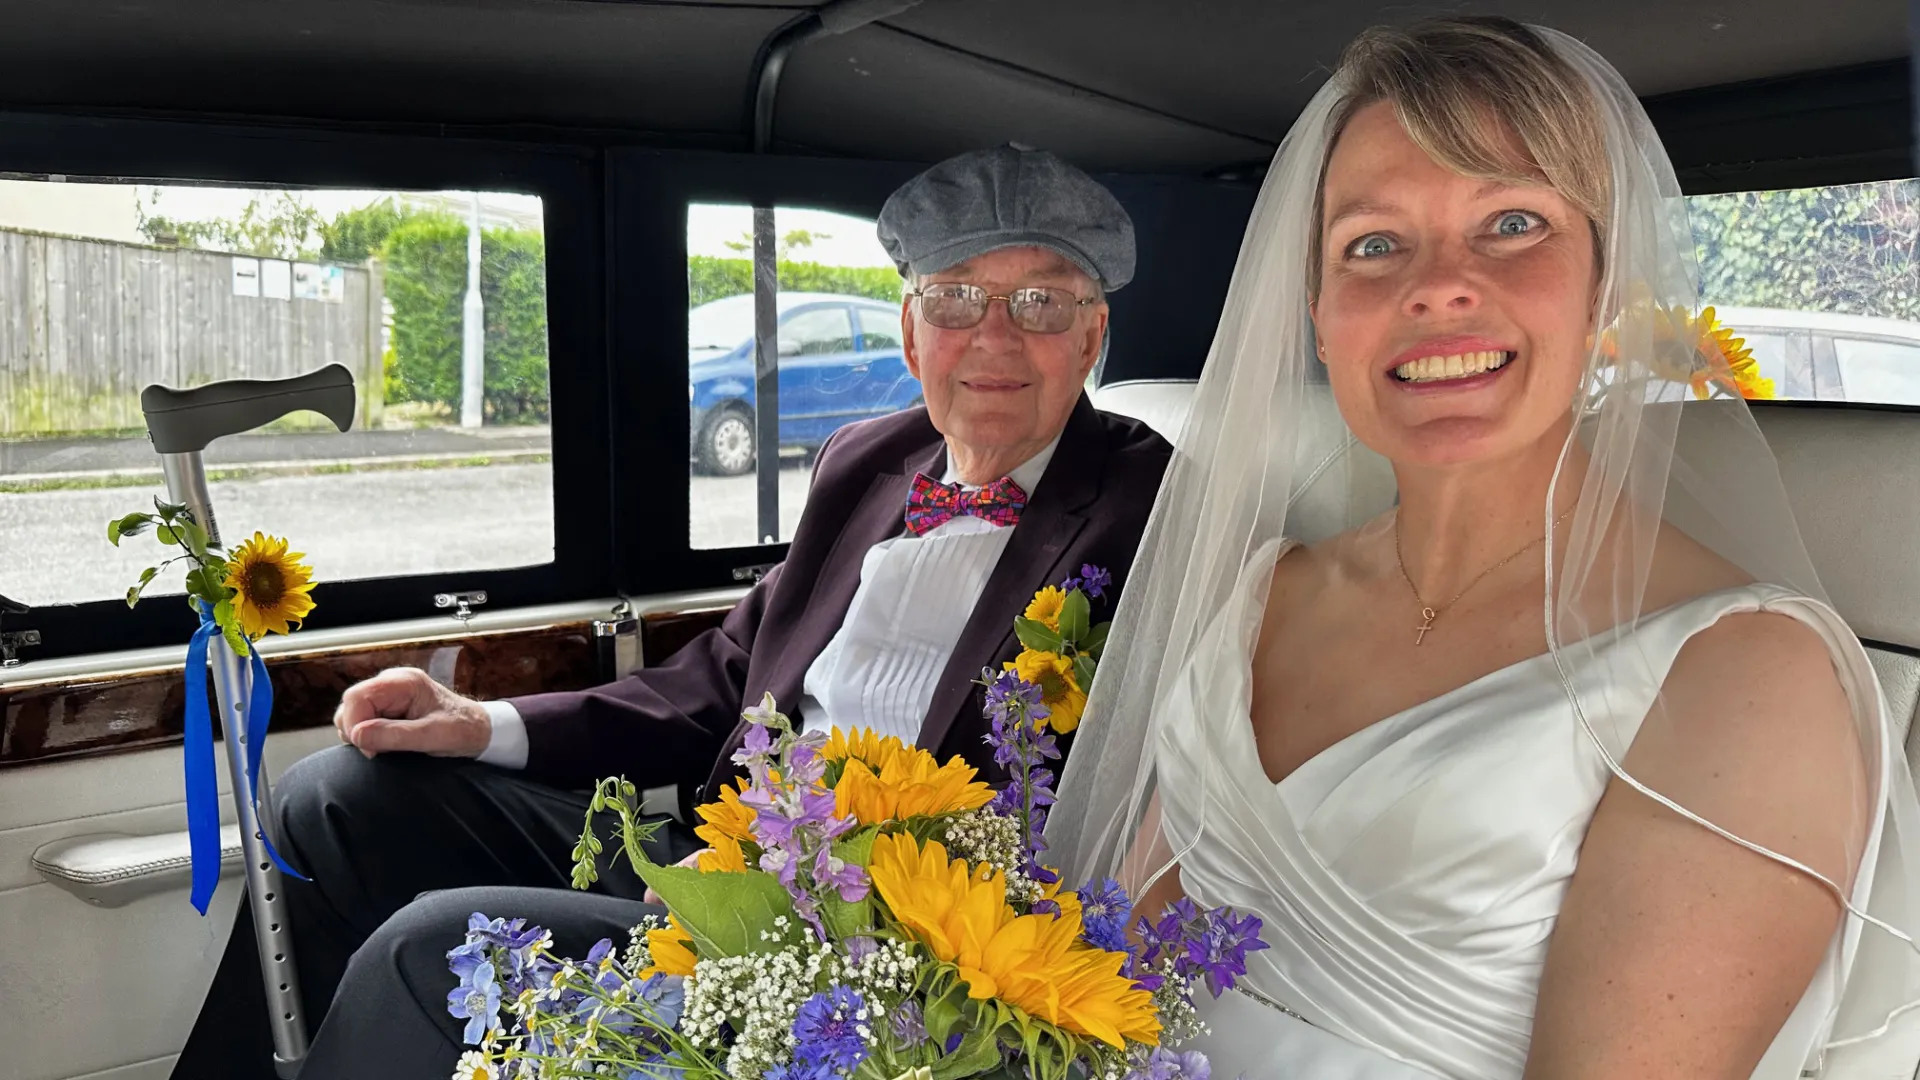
(426, 280)
(712, 278)
(1848, 250)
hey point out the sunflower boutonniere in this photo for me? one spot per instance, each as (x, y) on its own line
(258, 588)
(1061, 644)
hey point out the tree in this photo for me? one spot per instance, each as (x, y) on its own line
(283, 227)
(354, 236)
(1853, 249)
(426, 257)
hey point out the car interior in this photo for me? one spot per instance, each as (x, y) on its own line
(181, 182)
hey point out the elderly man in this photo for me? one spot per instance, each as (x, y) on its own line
(925, 534)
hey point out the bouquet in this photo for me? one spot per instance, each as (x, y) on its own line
(861, 911)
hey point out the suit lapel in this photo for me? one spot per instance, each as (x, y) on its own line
(1050, 524)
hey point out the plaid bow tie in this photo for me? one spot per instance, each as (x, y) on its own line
(932, 504)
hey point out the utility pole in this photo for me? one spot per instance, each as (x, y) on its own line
(473, 342)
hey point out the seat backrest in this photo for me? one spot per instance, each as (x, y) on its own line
(1852, 476)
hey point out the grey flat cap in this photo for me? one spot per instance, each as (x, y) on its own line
(1009, 196)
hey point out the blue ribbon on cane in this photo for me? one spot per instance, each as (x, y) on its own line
(203, 795)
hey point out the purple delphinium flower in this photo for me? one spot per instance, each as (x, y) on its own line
(1095, 581)
(795, 818)
(860, 946)
(1104, 908)
(477, 1001)
(830, 1028)
(1164, 1064)
(1219, 951)
(1021, 746)
(908, 1024)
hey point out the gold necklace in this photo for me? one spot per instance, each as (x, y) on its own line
(1428, 613)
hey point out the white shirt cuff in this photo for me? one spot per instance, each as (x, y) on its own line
(507, 745)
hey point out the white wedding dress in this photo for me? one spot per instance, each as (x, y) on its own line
(1409, 875)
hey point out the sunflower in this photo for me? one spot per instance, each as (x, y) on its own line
(909, 785)
(1060, 690)
(1035, 963)
(728, 818)
(1046, 606)
(270, 586)
(862, 744)
(1729, 361)
(724, 856)
(671, 948)
(1696, 350)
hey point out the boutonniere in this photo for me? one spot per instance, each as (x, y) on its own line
(1061, 644)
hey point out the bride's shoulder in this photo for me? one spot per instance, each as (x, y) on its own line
(1301, 571)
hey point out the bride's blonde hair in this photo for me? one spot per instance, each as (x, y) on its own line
(1483, 96)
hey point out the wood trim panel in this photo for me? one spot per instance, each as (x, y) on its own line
(50, 721)
(663, 633)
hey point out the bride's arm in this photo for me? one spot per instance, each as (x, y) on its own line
(1677, 953)
(1149, 853)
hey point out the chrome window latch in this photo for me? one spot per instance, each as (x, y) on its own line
(753, 573)
(463, 603)
(616, 642)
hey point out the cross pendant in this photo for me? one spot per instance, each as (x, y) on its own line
(1426, 613)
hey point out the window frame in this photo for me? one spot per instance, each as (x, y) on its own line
(648, 193)
(569, 180)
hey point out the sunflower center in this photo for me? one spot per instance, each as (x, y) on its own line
(265, 584)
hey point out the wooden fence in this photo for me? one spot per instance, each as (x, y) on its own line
(85, 325)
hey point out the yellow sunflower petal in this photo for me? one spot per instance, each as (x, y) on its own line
(1046, 606)
(271, 587)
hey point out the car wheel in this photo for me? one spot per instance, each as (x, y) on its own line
(726, 443)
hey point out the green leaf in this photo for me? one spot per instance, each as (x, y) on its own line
(1036, 636)
(166, 535)
(844, 920)
(133, 595)
(1074, 616)
(724, 913)
(942, 1013)
(193, 536)
(1083, 672)
(168, 511)
(147, 575)
(236, 640)
(130, 525)
(1096, 640)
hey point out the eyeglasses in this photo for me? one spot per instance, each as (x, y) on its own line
(1037, 309)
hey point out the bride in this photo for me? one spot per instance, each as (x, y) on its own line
(1471, 651)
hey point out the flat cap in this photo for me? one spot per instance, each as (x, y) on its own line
(1009, 196)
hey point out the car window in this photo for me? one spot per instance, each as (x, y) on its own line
(879, 329)
(817, 332)
(826, 264)
(1879, 371)
(1809, 266)
(108, 287)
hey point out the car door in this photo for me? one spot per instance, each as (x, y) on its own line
(889, 386)
(818, 364)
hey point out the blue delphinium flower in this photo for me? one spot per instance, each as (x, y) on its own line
(1104, 909)
(1219, 950)
(1164, 1064)
(477, 1001)
(831, 1028)
(909, 1025)
(800, 1070)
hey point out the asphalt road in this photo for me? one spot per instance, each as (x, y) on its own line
(53, 545)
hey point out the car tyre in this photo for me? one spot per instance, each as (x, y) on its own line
(726, 442)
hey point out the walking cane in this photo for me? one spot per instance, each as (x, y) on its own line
(181, 423)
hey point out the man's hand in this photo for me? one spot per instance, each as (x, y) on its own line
(402, 709)
(689, 862)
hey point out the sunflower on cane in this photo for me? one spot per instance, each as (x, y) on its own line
(258, 588)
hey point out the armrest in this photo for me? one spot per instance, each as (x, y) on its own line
(112, 869)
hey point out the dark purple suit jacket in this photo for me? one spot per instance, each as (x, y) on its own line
(680, 723)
